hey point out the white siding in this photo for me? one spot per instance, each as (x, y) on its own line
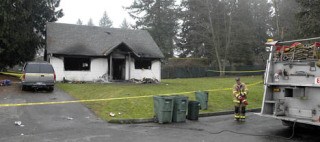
(154, 72)
(99, 66)
(58, 67)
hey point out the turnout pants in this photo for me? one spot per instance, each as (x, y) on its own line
(239, 111)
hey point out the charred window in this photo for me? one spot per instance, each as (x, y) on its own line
(76, 64)
(142, 64)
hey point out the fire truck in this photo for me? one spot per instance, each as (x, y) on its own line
(292, 82)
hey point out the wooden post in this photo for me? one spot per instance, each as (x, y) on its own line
(129, 77)
(111, 68)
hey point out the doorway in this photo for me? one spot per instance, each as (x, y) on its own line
(118, 69)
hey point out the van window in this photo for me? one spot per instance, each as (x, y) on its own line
(32, 68)
(45, 68)
(39, 68)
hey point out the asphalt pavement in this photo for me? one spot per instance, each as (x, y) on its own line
(76, 123)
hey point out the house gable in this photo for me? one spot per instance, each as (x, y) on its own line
(122, 48)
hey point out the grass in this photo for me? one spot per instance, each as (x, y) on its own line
(219, 100)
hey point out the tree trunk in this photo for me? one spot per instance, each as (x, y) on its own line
(277, 17)
(214, 44)
(228, 40)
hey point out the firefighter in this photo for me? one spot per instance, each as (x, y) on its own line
(240, 92)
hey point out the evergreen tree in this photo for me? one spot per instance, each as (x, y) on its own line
(105, 21)
(308, 18)
(90, 22)
(206, 30)
(125, 24)
(226, 32)
(192, 37)
(241, 51)
(261, 11)
(159, 17)
(22, 28)
(285, 24)
(79, 22)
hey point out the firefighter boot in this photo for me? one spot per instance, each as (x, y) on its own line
(236, 113)
(242, 116)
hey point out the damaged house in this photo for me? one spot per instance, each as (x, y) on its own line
(90, 53)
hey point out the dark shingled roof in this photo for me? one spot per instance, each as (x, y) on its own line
(70, 39)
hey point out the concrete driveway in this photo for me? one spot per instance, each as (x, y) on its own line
(75, 123)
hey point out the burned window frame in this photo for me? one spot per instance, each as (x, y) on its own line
(143, 64)
(82, 63)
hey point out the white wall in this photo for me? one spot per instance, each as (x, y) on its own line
(98, 67)
(154, 72)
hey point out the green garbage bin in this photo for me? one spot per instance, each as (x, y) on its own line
(180, 108)
(202, 98)
(193, 110)
(163, 107)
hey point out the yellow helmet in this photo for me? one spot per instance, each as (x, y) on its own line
(270, 40)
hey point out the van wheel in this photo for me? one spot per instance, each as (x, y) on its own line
(50, 89)
(24, 88)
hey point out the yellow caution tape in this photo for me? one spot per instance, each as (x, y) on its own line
(236, 71)
(68, 102)
(111, 99)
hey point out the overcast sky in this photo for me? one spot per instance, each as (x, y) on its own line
(86, 9)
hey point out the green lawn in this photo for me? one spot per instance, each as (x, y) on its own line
(219, 100)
